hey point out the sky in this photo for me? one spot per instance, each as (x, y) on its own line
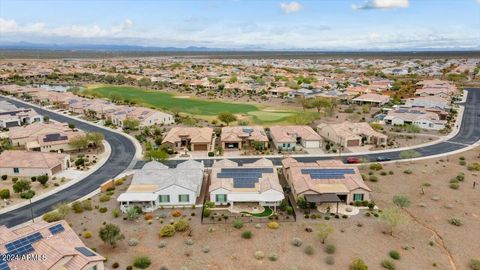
(246, 24)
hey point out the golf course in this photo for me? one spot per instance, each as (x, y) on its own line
(205, 109)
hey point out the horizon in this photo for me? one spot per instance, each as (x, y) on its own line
(270, 25)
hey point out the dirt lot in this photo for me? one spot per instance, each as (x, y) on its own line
(419, 241)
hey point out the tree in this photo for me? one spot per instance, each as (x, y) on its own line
(21, 186)
(323, 231)
(78, 142)
(131, 124)
(358, 264)
(156, 154)
(42, 179)
(322, 103)
(95, 138)
(46, 119)
(62, 209)
(71, 126)
(401, 201)
(227, 117)
(394, 217)
(111, 234)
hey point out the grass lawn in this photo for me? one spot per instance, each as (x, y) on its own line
(205, 109)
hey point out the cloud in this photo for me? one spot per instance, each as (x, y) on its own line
(478, 2)
(383, 4)
(291, 7)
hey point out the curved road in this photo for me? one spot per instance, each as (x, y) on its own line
(122, 155)
(123, 152)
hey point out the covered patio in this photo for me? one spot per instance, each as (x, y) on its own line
(319, 199)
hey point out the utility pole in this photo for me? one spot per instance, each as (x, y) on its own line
(31, 210)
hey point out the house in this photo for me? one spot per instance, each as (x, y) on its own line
(279, 91)
(348, 134)
(23, 163)
(19, 117)
(191, 138)
(428, 102)
(372, 98)
(253, 182)
(146, 117)
(156, 185)
(243, 136)
(44, 137)
(438, 88)
(288, 137)
(325, 181)
(46, 246)
(419, 117)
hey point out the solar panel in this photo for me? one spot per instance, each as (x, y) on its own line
(23, 246)
(3, 263)
(244, 177)
(54, 137)
(327, 173)
(56, 229)
(85, 251)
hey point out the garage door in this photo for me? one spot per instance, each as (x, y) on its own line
(200, 147)
(11, 124)
(353, 143)
(312, 144)
(57, 169)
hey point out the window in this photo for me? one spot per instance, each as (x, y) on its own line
(358, 197)
(16, 170)
(183, 198)
(164, 198)
(221, 197)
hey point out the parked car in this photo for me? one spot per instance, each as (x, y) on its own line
(383, 158)
(353, 160)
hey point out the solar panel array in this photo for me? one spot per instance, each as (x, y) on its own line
(3, 263)
(244, 177)
(85, 251)
(327, 173)
(19, 247)
(54, 137)
(56, 229)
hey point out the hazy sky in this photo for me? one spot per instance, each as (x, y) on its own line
(269, 24)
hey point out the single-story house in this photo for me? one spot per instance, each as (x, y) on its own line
(348, 134)
(237, 137)
(419, 117)
(253, 182)
(18, 117)
(372, 98)
(23, 163)
(325, 181)
(287, 137)
(51, 246)
(429, 102)
(157, 185)
(192, 138)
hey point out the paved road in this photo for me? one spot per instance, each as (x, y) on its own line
(123, 152)
(468, 134)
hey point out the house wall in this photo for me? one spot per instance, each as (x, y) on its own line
(284, 146)
(56, 148)
(99, 265)
(26, 171)
(310, 144)
(366, 195)
(218, 191)
(174, 191)
(157, 118)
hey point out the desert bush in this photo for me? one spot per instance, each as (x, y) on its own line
(176, 213)
(181, 225)
(358, 264)
(309, 250)
(289, 210)
(474, 166)
(87, 205)
(129, 267)
(27, 194)
(273, 256)
(330, 249)
(259, 255)
(407, 171)
(167, 231)
(103, 210)
(4, 194)
(455, 221)
(297, 242)
(401, 201)
(460, 177)
(52, 216)
(162, 244)
(119, 182)
(132, 242)
(115, 212)
(394, 254)
(104, 198)
(142, 262)
(148, 216)
(189, 242)
(376, 167)
(4, 177)
(387, 264)
(247, 234)
(454, 185)
(77, 207)
(237, 223)
(273, 225)
(115, 265)
(373, 178)
(205, 249)
(330, 260)
(87, 234)
(475, 264)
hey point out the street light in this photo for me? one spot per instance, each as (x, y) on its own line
(31, 210)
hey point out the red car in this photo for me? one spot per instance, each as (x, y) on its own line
(352, 160)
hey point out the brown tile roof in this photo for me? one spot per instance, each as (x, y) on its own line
(196, 135)
(285, 134)
(24, 159)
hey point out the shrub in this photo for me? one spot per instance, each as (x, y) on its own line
(376, 167)
(167, 231)
(115, 265)
(394, 254)
(358, 264)
(475, 264)
(4, 194)
(387, 264)
(119, 182)
(297, 242)
(162, 244)
(460, 177)
(273, 225)
(247, 234)
(115, 212)
(43, 179)
(205, 249)
(455, 221)
(259, 255)
(87, 205)
(474, 166)
(4, 177)
(237, 223)
(27, 194)
(454, 185)
(401, 201)
(207, 212)
(330, 260)
(87, 234)
(289, 210)
(407, 171)
(129, 267)
(181, 225)
(148, 216)
(21, 186)
(52, 216)
(330, 249)
(105, 198)
(309, 250)
(103, 210)
(176, 213)
(273, 256)
(77, 207)
(33, 178)
(142, 262)
(373, 178)
(189, 242)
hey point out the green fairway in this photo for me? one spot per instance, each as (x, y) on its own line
(193, 106)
